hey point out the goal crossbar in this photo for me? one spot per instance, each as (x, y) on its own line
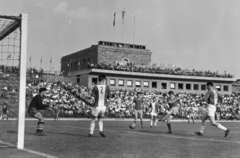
(9, 29)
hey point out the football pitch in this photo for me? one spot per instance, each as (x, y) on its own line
(68, 139)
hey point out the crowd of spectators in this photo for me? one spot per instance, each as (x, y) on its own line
(130, 67)
(74, 100)
(236, 84)
(9, 69)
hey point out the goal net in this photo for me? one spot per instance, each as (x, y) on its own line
(13, 51)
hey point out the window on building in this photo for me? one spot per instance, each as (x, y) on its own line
(195, 86)
(94, 80)
(188, 86)
(120, 83)
(225, 88)
(129, 83)
(180, 86)
(218, 87)
(112, 82)
(137, 84)
(146, 84)
(154, 84)
(203, 87)
(172, 85)
(164, 85)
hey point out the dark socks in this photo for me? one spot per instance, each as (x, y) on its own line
(169, 127)
(40, 126)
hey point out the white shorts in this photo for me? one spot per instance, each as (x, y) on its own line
(211, 109)
(154, 114)
(98, 111)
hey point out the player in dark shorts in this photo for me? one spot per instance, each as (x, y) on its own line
(173, 104)
(33, 110)
(56, 111)
(138, 108)
(5, 111)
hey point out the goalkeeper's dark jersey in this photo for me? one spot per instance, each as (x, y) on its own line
(37, 103)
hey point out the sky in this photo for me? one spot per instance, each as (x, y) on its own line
(192, 34)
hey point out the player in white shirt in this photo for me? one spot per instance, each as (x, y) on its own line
(101, 92)
(211, 97)
(154, 109)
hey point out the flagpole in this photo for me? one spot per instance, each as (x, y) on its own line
(41, 63)
(134, 31)
(114, 34)
(123, 18)
(30, 61)
(114, 23)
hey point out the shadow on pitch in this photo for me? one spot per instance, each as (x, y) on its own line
(68, 134)
(12, 132)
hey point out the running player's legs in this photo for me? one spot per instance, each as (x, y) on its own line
(141, 117)
(193, 118)
(95, 113)
(155, 120)
(100, 118)
(135, 115)
(151, 120)
(204, 118)
(218, 125)
(169, 124)
(57, 114)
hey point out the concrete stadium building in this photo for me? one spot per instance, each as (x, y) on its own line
(75, 66)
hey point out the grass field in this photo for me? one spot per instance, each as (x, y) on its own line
(68, 139)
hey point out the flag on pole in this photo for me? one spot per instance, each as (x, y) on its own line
(114, 19)
(41, 59)
(123, 15)
(9, 56)
(30, 58)
(51, 60)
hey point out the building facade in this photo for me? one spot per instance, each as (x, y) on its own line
(149, 81)
(105, 52)
(75, 66)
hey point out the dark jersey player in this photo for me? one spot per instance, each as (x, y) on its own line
(33, 110)
(211, 97)
(138, 108)
(5, 111)
(101, 92)
(173, 105)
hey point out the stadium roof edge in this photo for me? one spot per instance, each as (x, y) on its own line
(150, 75)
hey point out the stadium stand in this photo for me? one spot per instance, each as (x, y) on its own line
(130, 67)
(73, 100)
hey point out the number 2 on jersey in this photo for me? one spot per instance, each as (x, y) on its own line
(101, 90)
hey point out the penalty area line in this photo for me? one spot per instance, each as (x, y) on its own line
(160, 135)
(28, 150)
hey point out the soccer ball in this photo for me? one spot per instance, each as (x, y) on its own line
(132, 126)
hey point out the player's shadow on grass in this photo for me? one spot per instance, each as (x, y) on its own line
(68, 134)
(12, 132)
(165, 132)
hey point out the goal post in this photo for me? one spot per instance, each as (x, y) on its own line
(13, 71)
(22, 83)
